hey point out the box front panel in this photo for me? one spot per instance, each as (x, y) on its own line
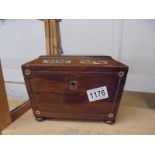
(76, 93)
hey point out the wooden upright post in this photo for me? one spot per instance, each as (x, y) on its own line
(47, 36)
(5, 118)
(52, 35)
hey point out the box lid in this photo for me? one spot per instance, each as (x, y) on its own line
(74, 63)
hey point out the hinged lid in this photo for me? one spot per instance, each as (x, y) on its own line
(74, 63)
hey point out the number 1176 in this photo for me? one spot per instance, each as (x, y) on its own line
(97, 93)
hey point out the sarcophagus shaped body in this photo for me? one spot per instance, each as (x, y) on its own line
(75, 87)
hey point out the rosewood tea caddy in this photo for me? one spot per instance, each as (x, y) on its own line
(75, 87)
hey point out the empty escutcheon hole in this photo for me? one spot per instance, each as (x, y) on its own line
(73, 83)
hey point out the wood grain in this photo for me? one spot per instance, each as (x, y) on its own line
(19, 111)
(52, 96)
(5, 118)
(52, 35)
(47, 36)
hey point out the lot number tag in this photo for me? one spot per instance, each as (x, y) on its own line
(97, 94)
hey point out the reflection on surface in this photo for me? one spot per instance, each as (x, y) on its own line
(16, 94)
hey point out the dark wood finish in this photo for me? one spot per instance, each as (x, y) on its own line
(19, 111)
(48, 80)
(5, 118)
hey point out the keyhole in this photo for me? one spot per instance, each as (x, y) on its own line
(73, 85)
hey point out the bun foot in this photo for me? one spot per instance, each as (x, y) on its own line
(110, 122)
(40, 119)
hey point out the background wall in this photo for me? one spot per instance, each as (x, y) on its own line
(138, 51)
(20, 41)
(130, 41)
(91, 37)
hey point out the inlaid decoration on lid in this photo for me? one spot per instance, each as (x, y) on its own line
(95, 62)
(56, 61)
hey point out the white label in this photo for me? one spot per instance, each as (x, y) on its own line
(97, 94)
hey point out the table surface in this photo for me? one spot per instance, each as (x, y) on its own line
(136, 115)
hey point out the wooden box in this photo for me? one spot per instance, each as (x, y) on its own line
(75, 87)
